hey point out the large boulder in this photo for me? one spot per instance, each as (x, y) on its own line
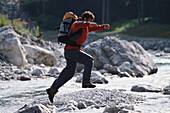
(127, 56)
(11, 47)
(39, 55)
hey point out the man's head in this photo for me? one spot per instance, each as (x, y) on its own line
(87, 16)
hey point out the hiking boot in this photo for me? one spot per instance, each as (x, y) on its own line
(88, 85)
(51, 92)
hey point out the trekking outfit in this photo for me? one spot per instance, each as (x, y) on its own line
(74, 54)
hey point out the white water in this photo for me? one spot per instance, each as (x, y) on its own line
(15, 94)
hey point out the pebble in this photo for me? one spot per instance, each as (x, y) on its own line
(94, 98)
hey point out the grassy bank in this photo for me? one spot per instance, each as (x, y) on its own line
(150, 30)
(132, 28)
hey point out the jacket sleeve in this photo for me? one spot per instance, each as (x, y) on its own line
(80, 24)
(98, 28)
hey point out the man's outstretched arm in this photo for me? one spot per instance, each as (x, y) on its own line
(99, 27)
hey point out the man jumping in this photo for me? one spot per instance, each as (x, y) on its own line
(75, 54)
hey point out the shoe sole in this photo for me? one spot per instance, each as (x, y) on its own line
(88, 86)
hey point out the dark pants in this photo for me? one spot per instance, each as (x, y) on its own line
(72, 57)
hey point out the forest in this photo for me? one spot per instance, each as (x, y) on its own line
(48, 13)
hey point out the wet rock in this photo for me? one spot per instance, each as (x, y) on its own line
(167, 90)
(145, 88)
(24, 78)
(81, 105)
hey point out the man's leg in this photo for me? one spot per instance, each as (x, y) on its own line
(65, 75)
(83, 58)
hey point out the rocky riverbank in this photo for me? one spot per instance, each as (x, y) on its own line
(39, 57)
(24, 57)
(155, 44)
(112, 100)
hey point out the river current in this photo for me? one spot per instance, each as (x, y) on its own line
(15, 94)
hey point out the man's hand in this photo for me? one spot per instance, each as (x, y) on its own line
(106, 26)
(93, 24)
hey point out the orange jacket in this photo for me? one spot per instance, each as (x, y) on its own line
(81, 37)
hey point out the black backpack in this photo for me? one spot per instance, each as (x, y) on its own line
(65, 26)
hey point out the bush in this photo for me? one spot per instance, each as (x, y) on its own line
(4, 20)
(19, 25)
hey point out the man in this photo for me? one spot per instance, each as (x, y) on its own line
(75, 54)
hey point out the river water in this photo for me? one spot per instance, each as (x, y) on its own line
(15, 94)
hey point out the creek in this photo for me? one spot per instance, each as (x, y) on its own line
(15, 94)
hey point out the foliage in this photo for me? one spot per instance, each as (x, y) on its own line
(4, 20)
(150, 30)
(19, 25)
(49, 12)
(132, 28)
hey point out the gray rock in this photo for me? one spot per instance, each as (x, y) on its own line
(167, 90)
(11, 46)
(40, 55)
(121, 108)
(167, 50)
(30, 60)
(145, 88)
(96, 77)
(126, 67)
(37, 108)
(102, 71)
(81, 105)
(110, 53)
(54, 70)
(38, 72)
(24, 78)
(124, 74)
(111, 68)
(155, 44)
(112, 109)
(90, 103)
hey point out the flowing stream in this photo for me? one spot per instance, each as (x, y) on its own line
(15, 94)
